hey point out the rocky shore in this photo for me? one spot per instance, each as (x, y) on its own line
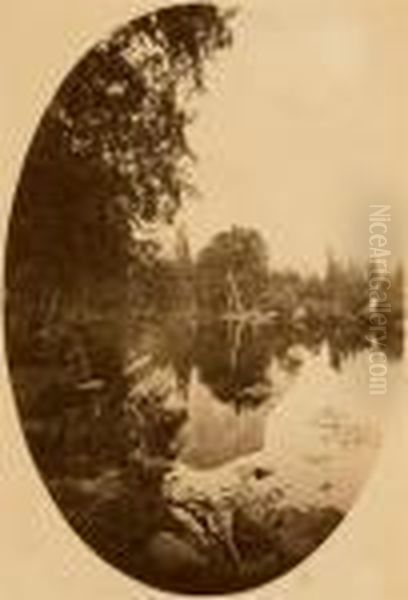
(233, 527)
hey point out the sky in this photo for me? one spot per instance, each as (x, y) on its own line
(301, 129)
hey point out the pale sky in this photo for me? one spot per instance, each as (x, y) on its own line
(302, 127)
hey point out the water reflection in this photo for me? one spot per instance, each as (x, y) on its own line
(234, 361)
(217, 381)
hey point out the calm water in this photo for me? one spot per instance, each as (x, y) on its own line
(246, 390)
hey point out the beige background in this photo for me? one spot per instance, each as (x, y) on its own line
(40, 40)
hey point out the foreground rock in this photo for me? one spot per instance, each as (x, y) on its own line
(173, 555)
(240, 523)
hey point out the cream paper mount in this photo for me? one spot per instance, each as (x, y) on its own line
(203, 300)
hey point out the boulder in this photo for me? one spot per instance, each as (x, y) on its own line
(173, 555)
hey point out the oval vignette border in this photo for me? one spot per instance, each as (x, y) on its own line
(382, 497)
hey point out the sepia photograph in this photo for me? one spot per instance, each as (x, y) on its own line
(204, 289)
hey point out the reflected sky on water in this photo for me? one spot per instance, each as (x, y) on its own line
(267, 390)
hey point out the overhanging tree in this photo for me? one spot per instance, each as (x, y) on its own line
(110, 155)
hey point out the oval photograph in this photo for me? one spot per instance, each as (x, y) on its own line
(201, 311)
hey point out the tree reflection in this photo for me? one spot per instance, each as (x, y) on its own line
(234, 360)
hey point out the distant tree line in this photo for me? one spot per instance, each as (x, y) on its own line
(234, 274)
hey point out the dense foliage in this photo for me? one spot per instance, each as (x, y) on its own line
(111, 156)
